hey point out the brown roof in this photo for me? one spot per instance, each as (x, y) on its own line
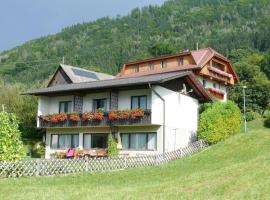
(200, 56)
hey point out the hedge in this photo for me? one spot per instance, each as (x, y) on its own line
(218, 121)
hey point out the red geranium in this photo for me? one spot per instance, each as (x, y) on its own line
(61, 117)
(98, 116)
(54, 118)
(45, 118)
(86, 116)
(74, 117)
(137, 113)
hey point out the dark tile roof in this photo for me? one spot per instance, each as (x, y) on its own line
(112, 83)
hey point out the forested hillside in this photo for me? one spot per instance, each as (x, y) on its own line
(177, 25)
(240, 29)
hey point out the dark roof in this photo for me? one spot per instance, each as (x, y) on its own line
(157, 78)
(120, 82)
(79, 75)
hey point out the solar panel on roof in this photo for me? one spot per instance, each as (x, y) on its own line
(85, 73)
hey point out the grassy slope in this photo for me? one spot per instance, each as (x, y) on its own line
(235, 169)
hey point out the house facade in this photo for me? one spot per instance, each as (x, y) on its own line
(149, 107)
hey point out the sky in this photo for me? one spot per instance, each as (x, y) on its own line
(23, 20)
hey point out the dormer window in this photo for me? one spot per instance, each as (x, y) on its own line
(151, 66)
(163, 64)
(136, 68)
(181, 61)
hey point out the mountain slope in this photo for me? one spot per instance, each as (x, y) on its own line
(177, 25)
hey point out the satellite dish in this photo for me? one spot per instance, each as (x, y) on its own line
(184, 90)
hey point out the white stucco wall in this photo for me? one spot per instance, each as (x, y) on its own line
(88, 100)
(124, 98)
(181, 117)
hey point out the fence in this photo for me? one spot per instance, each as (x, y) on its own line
(46, 167)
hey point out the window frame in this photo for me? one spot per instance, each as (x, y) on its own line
(151, 66)
(147, 140)
(91, 135)
(139, 101)
(181, 60)
(72, 142)
(136, 68)
(93, 106)
(163, 64)
(66, 106)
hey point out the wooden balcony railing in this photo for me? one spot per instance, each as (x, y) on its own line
(145, 120)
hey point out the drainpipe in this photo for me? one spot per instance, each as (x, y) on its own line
(163, 100)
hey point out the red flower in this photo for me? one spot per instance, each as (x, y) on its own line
(45, 118)
(54, 118)
(61, 117)
(98, 116)
(87, 116)
(125, 114)
(74, 117)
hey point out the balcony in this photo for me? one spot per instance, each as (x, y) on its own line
(105, 121)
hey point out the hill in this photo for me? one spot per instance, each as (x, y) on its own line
(177, 25)
(235, 169)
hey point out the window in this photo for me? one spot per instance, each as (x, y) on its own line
(136, 68)
(139, 102)
(151, 66)
(65, 106)
(139, 141)
(100, 104)
(204, 83)
(95, 140)
(163, 64)
(181, 61)
(64, 141)
(214, 85)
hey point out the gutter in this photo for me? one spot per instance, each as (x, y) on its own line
(163, 100)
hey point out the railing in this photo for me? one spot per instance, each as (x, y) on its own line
(145, 120)
(46, 167)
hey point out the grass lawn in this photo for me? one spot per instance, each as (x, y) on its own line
(238, 168)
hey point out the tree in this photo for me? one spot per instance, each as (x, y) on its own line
(258, 86)
(11, 147)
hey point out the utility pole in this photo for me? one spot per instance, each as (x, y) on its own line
(244, 98)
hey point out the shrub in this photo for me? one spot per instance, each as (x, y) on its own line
(11, 147)
(219, 121)
(112, 146)
(252, 115)
(267, 120)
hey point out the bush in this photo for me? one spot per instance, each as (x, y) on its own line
(11, 147)
(267, 120)
(252, 115)
(112, 146)
(219, 121)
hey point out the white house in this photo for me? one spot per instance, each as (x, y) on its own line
(166, 100)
